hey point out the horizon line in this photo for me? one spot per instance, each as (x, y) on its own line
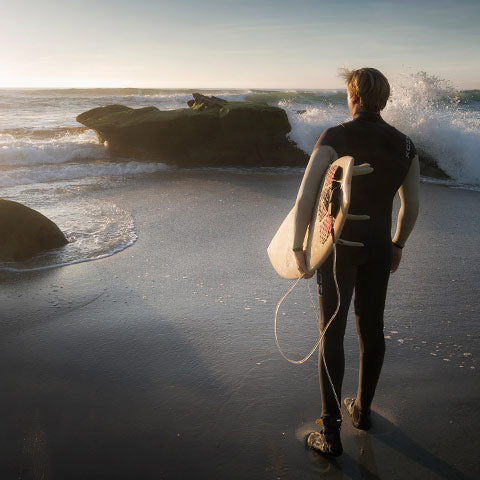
(190, 88)
(162, 88)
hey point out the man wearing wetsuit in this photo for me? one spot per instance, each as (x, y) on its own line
(365, 270)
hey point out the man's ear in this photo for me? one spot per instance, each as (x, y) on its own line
(354, 99)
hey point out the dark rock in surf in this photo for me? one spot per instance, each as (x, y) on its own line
(428, 165)
(212, 132)
(202, 102)
(24, 232)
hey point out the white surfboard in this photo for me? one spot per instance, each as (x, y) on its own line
(329, 215)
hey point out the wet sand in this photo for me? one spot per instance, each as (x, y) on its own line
(160, 363)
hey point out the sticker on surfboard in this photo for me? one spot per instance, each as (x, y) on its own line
(329, 215)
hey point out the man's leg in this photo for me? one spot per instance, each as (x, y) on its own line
(331, 353)
(370, 293)
(331, 356)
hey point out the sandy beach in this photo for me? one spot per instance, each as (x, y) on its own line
(159, 362)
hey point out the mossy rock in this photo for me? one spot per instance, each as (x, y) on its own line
(212, 132)
(24, 232)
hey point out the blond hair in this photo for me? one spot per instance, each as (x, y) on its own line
(369, 85)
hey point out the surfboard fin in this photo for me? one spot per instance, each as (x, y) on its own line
(362, 169)
(348, 243)
(350, 216)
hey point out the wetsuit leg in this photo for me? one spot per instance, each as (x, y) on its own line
(332, 345)
(370, 293)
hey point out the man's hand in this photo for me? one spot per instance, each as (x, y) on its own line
(397, 256)
(302, 264)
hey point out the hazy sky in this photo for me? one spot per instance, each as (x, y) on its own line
(226, 43)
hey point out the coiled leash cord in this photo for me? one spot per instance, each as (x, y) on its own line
(317, 318)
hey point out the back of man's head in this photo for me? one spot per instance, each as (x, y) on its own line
(370, 87)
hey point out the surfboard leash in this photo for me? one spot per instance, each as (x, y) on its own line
(318, 319)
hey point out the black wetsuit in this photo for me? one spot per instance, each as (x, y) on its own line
(369, 139)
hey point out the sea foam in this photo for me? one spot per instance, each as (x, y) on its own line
(31, 149)
(94, 229)
(73, 171)
(428, 109)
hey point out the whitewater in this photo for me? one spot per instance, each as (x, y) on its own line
(49, 162)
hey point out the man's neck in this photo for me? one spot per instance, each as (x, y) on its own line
(359, 112)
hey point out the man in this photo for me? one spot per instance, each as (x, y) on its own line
(365, 270)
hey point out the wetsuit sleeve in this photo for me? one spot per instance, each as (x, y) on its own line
(320, 159)
(409, 197)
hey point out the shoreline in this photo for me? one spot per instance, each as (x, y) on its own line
(123, 182)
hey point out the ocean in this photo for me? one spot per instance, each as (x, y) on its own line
(50, 162)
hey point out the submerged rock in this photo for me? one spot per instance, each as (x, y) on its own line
(24, 232)
(211, 132)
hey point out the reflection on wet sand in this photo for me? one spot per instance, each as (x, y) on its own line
(366, 456)
(365, 467)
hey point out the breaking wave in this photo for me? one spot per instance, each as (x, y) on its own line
(430, 111)
(442, 122)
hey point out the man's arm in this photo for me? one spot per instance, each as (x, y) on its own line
(322, 156)
(319, 161)
(407, 216)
